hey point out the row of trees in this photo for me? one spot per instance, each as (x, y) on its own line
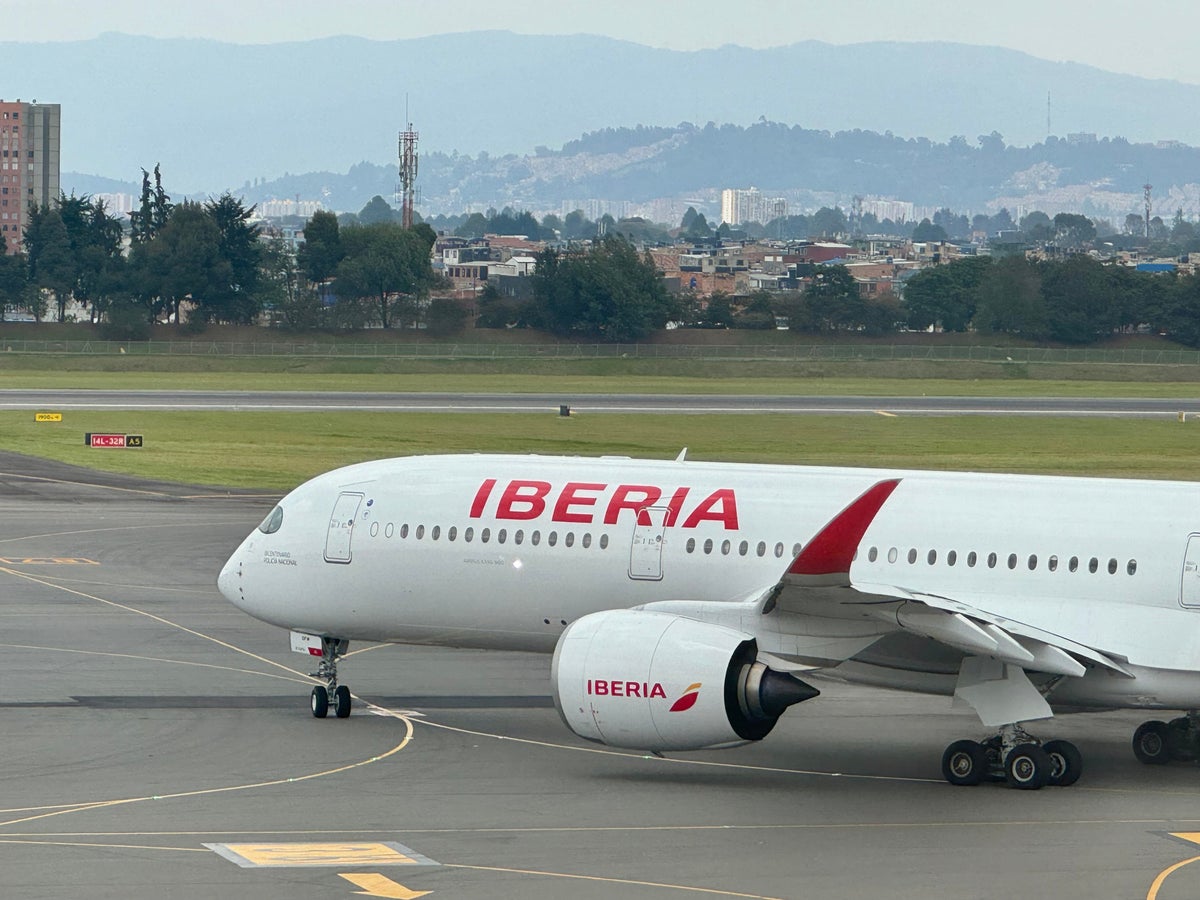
(1076, 300)
(213, 258)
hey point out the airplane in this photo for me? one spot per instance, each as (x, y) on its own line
(686, 602)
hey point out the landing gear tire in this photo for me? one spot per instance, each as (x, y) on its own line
(1152, 744)
(320, 702)
(1027, 767)
(964, 763)
(341, 702)
(1066, 763)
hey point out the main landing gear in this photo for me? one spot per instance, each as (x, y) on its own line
(1158, 743)
(331, 691)
(1015, 757)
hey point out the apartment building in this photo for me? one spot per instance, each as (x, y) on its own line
(29, 164)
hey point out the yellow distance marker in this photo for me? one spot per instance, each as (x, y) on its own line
(47, 417)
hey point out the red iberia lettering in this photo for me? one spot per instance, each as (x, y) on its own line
(674, 505)
(719, 506)
(633, 497)
(640, 690)
(523, 500)
(571, 496)
(481, 497)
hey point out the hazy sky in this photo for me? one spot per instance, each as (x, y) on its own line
(1152, 38)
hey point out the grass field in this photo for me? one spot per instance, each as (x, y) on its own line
(279, 450)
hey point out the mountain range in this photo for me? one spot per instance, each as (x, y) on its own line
(489, 105)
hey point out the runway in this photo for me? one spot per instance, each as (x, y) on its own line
(158, 743)
(314, 401)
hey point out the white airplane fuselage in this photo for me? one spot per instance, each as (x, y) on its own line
(504, 552)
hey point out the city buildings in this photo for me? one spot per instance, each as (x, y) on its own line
(29, 164)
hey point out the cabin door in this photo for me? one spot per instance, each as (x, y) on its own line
(645, 554)
(1189, 591)
(341, 527)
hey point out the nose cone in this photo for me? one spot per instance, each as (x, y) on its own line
(229, 582)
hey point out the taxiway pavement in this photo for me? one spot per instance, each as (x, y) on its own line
(312, 401)
(157, 742)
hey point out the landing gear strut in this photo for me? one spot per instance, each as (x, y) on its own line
(1158, 743)
(1013, 756)
(339, 694)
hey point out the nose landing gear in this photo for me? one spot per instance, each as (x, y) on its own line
(330, 693)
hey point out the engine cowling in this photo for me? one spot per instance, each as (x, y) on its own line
(655, 681)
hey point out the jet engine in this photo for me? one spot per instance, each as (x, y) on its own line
(655, 681)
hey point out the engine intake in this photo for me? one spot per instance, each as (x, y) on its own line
(655, 681)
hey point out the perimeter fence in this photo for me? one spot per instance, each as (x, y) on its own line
(785, 352)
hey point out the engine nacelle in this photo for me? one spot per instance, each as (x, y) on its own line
(655, 681)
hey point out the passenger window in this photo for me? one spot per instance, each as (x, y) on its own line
(708, 545)
(779, 551)
(761, 549)
(1032, 561)
(569, 539)
(485, 535)
(389, 530)
(437, 532)
(1131, 566)
(932, 557)
(912, 555)
(725, 547)
(951, 557)
(604, 542)
(873, 554)
(991, 560)
(1073, 565)
(1112, 567)
(469, 535)
(374, 529)
(404, 530)
(1093, 565)
(1052, 564)
(892, 555)
(452, 533)
(1012, 560)
(743, 548)
(552, 538)
(535, 538)
(796, 548)
(518, 536)
(587, 540)
(501, 535)
(691, 545)
(420, 532)
(971, 559)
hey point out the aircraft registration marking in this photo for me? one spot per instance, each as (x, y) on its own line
(47, 561)
(325, 853)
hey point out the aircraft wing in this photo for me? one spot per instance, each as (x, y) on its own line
(818, 585)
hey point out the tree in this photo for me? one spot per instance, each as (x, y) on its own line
(1135, 224)
(1073, 230)
(1037, 227)
(945, 296)
(184, 260)
(1081, 301)
(607, 292)
(826, 222)
(385, 264)
(475, 226)
(14, 282)
(376, 211)
(698, 228)
(757, 312)
(153, 212)
(237, 301)
(1009, 299)
(322, 249)
(52, 261)
(927, 232)
(445, 317)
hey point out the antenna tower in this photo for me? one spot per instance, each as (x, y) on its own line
(408, 174)
(1146, 188)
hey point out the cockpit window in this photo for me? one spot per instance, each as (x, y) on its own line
(271, 523)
